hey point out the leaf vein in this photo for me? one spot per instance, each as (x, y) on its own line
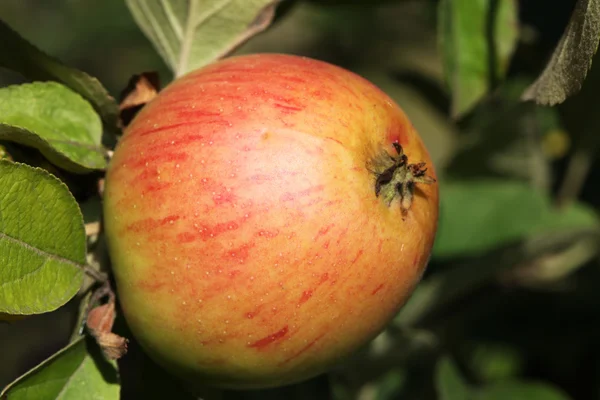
(69, 379)
(160, 33)
(177, 29)
(41, 253)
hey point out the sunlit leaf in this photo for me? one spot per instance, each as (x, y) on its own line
(42, 241)
(21, 56)
(479, 215)
(56, 121)
(71, 374)
(565, 72)
(189, 34)
(477, 39)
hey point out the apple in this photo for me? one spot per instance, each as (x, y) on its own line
(266, 216)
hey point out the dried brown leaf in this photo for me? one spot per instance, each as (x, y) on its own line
(100, 322)
(140, 90)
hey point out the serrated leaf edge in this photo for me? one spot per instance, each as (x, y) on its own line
(42, 365)
(45, 146)
(104, 104)
(80, 266)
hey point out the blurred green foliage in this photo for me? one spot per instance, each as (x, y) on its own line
(508, 306)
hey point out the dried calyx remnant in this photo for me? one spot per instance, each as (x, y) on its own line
(396, 177)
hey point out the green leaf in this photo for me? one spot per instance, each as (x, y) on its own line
(189, 34)
(72, 373)
(23, 57)
(391, 384)
(480, 215)
(42, 241)
(505, 35)
(477, 42)
(520, 390)
(56, 121)
(449, 383)
(565, 72)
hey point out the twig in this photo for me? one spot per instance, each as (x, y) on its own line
(101, 188)
(96, 275)
(101, 292)
(538, 165)
(87, 301)
(575, 176)
(81, 315)
(92, 228)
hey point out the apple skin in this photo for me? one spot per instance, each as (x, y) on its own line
(248, 245)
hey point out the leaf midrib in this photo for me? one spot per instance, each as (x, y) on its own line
(70, 378)
(70, 152)
(40, 252)
(190, 27)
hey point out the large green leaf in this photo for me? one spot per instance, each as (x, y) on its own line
(480, 215)
(21, 56)
(71, 374)
(189, 34)
(42, 241)
(55, 120)
(565, 72)
(520, 390)
(477, 39)
(449, 383)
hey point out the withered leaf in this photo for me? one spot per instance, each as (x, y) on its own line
(140, 89)
(100, 322)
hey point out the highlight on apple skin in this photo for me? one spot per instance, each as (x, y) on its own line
(266, 216)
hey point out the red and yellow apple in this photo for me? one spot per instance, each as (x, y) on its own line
(266, 215)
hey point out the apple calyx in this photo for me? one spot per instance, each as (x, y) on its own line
(395, 177)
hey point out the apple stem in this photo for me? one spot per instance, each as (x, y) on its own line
(395, 177)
